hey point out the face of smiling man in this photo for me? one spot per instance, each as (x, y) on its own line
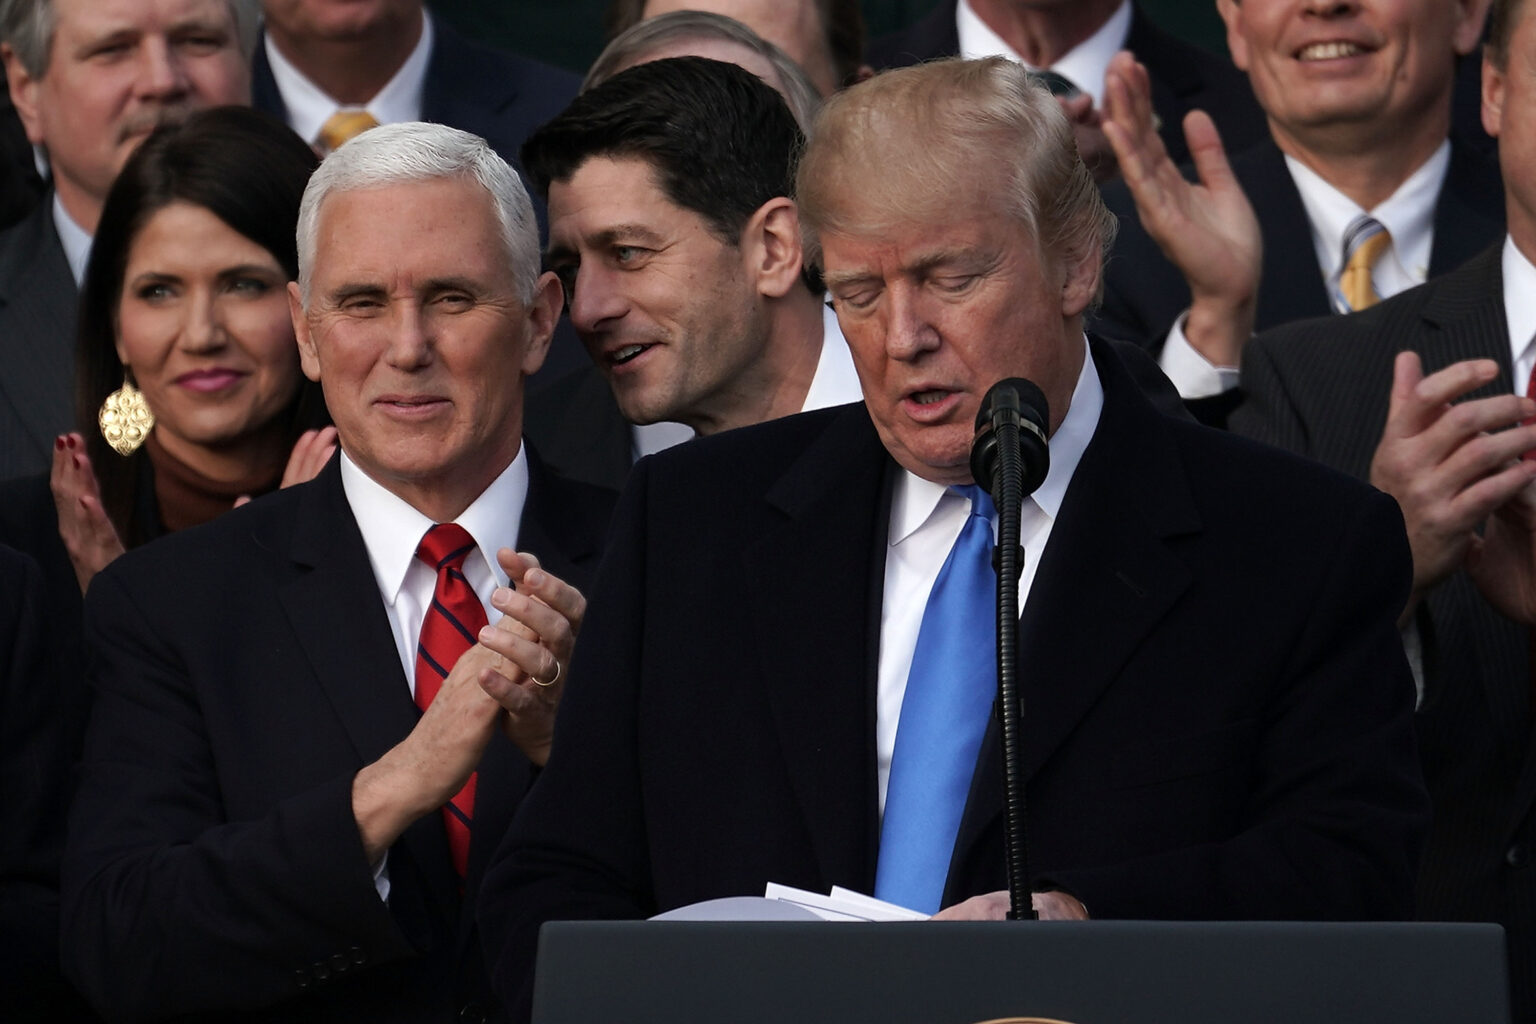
(1339, 73)
(419, 337)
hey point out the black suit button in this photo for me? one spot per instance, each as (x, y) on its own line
(473, 1013)
(302, 977)
(358, 956)
(1517, 856)
(320, 970)
(340, 963)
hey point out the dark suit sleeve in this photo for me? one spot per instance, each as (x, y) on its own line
(577, 847)
(1332, 828)
(169, 907)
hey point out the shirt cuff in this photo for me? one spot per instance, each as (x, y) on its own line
(1413, 649)
(1191, 373)
(381, 877)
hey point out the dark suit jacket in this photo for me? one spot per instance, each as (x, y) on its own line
(1144, 293)
(1218, 713)
(243, 672)
(1320, 388)
(37, 343)
(1184, 77)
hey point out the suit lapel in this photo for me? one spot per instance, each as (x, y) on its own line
(37, 318)
(807, 572)
(1291, 287)
(332, 602)
(1469, 212)
(264, 92)
(1108, 560)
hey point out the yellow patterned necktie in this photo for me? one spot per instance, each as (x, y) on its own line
(343, 125)
(1365, 240)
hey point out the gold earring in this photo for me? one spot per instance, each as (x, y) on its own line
(125, 419)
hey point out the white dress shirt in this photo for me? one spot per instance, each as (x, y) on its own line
(75, 240)
(925, 520)
(834, 383)
(1520, 312)
(309, 107)
(1408, 214)
(1084, 65)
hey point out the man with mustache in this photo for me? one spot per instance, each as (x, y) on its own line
(90, 79)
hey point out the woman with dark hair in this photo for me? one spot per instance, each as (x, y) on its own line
(187, 363)
(185, 355)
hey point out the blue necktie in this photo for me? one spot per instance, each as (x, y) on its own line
(950, 690)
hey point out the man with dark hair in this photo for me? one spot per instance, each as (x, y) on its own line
(825, 37)
(1072, 41)
(89, 80)
(672, 229)
(788, 666)
(1422, 395)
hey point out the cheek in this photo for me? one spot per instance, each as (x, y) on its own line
(265, 332)
(144, 338)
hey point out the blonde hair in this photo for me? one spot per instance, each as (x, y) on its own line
(914, 142)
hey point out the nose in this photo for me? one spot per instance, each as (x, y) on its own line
(162, 71)
(203, 331)
(909, 332)
(1331, 8)
(594, 298)
(410, 342)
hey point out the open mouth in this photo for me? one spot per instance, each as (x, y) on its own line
(929, 397)
(623, 355)
(1334, 50)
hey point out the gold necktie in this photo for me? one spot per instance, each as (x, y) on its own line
(1364, 242)
(343, 125)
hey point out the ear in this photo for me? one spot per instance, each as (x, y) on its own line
(542, 313)
(24, 89)
(1493, 96)
(1471, 16)
(1080, 281)
(309, 358)
(770, 247)
(1237, 44)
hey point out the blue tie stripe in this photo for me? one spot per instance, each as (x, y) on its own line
(950, 690)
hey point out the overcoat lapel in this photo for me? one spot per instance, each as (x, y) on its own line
(807, 571)
(1108, 560)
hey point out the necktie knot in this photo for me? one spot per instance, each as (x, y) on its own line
(981, 501)
(445, 546)
(343, 126)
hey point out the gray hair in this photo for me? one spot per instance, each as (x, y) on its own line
(632, 46)
(28, 27)
(398, 154)
(974, 117)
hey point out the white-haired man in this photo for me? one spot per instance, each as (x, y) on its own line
(781, 710)
(266, 821)
(90, 79)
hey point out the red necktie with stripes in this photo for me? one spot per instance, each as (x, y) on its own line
(448, 629)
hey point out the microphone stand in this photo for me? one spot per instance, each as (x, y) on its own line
(1008, 561)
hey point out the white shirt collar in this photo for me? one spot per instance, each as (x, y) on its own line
(1085, 64)
(834, 383)
(309, 107)
(1408, 214)
(74, 238)
(392, 527)
(1520, 311)
(916, 499)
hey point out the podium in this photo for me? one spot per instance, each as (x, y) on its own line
(1095, 972)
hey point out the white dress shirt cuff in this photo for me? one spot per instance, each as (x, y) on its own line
(381, 877)
(1192, 373)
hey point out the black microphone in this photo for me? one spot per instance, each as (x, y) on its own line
(1018, 404)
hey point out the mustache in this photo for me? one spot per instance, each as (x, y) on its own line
(145, 121)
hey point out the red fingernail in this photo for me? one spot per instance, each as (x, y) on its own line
(58, 443)
(76, 460)
(69, 442)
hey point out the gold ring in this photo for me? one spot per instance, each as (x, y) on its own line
(553, 681)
